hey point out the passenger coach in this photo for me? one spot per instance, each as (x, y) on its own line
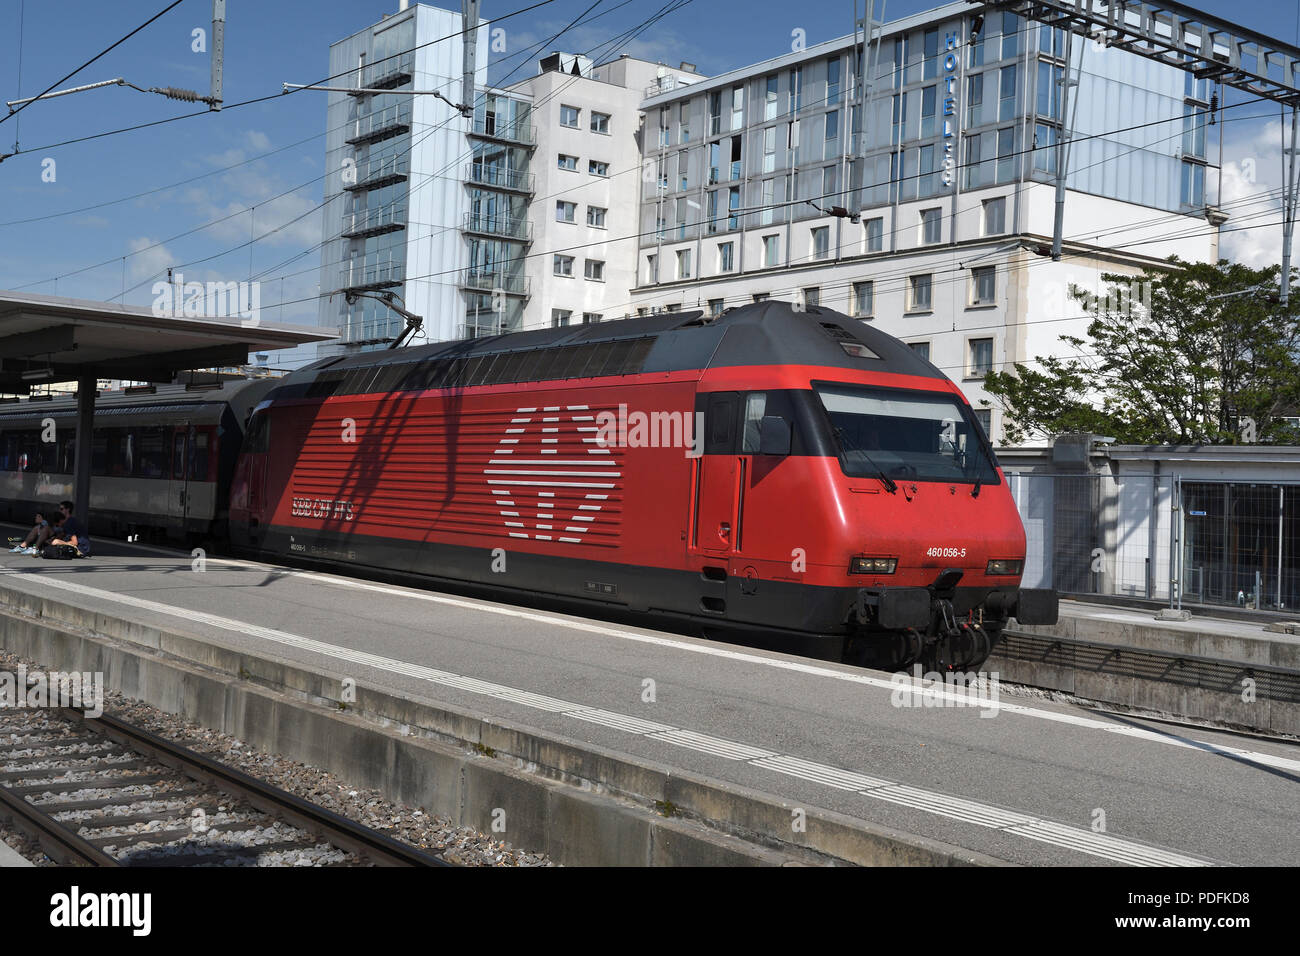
(161, 458)
(841, 489)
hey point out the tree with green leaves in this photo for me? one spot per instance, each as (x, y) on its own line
(1193, 354)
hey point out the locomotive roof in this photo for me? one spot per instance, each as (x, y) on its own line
(765, 333)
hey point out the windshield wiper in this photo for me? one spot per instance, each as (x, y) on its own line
(890, 485)
(979, 480)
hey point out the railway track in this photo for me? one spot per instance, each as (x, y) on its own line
(100, 792)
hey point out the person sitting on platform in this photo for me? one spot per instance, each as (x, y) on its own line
(73, 533)
(39, 534)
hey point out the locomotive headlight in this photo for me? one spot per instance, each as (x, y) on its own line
(1004, 566)
(873, 565)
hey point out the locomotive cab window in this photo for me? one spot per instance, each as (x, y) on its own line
(910, 436)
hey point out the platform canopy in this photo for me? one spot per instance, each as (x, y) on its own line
(52, 339)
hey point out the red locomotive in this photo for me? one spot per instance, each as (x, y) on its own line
(769, 470)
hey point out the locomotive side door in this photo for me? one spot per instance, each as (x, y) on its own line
(716, 478)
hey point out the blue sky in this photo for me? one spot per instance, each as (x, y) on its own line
(288, 40)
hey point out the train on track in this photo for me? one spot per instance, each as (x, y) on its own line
(770, 470)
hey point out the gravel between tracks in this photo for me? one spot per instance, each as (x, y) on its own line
(409, 824)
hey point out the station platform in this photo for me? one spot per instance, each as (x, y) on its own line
(1014, 779)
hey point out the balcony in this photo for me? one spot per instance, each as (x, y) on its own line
(502, 227)
(360, 274)
(378, 172)
(381, 124)
(489, 127)
(375, 222)
(514, 180)
(492, 281)
(666, 84)
(475, 330)
(387, 73)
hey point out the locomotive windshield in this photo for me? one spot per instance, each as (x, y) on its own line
(906, 436)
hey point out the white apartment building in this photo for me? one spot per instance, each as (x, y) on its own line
(748, 163)
(588, 169)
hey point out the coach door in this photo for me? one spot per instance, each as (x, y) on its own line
(717, 478)
(178, 490)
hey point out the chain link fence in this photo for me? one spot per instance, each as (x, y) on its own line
(1162, 538)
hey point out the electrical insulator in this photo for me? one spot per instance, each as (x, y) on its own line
(171, 92)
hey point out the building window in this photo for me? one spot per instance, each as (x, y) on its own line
(591, 318)
(561, 317)
(1006, 154)
(652, 269)
(760, 296)
(1049, 90)
(981, 358)
(831, 141)
(771, 250)
(600, 122)
(863, 298)
(931, 226)
(726, 257)
(568, 162)
(1046, 137)
(821, 242)
(1193, 184)
(684, 121)
(770, 98)
(597, 168)
(875, 234)
(983, 285)
(812, 296)
(921, 348)
(796, 89)
(563, 265)
(930, 50)
(596, 216)
(985, 417)
(737, 107)
(995, 216)
(769, 149)
(832, 81)
(1007, 94)
(1194, 123)
(715, 307)
(900, 118)
(594, 269)
(565, 211)
(569, 116)
(683, 263)
(715, 112)
(974, 99)
(918, 293)
(929, 97)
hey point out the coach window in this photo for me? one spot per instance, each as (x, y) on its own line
(178, 456)
(199, 456)
(755, 404)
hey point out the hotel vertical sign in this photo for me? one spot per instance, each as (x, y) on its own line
(950, 64)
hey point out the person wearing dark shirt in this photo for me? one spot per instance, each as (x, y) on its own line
(73, 531)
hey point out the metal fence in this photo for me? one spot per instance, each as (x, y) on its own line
(1162, 537)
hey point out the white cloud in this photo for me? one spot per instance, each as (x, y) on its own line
(147, 259)
(1252, 167)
